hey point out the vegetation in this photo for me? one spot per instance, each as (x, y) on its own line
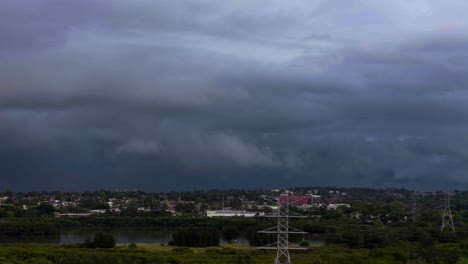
(196, 237)
(101, 240)
(230, 233)
(379, 227)
(399, 252)
(29, 227)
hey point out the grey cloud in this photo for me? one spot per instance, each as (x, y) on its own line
(214, 94)
(200, 150)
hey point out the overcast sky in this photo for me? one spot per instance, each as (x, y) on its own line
(183, 95)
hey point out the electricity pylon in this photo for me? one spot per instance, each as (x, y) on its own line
(414, 207)
(447, 219)
(282, 231)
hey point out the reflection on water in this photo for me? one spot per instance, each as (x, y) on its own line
(126, 235)
(122, 235)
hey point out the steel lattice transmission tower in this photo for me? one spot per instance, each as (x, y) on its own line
(414, 207)
(447, 219)
(282, 231)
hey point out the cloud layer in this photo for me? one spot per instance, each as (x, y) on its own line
(162, 95)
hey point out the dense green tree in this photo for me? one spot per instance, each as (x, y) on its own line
(235, 203)
(102, 240)
(196, 237)
(186, 208)
(131, 210)
(230, 233)
(3, 212)
(45, 208)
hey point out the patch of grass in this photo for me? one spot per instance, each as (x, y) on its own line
(154, 247)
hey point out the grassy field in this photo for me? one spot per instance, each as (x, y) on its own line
(401, 252)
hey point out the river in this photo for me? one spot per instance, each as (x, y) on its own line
(122, 235)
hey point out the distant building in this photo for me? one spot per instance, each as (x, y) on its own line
(143, 209)
(335, 206)
(315, 199)
(59, 215)
(229, 213)
(297, 200)
(98, 211)
(332, 200)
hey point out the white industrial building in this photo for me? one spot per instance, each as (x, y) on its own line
(229, 213)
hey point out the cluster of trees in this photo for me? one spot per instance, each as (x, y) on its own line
(230, 233)
(164, 222)
(196, 237)
(187, 209)
(29, 227)
(100, 240)
(47, 226)
(13, 211)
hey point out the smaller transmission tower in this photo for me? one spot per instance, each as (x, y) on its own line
(447, 219)
(414, 207)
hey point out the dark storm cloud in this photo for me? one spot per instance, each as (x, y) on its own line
(183, 95)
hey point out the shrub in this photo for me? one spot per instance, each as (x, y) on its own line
(132, 246)
(304, 244)
(196, 237)
(101, 240)
(230, 233)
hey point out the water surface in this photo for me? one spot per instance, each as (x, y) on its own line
(122, 235)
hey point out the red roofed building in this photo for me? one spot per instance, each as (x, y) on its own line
(294, 200)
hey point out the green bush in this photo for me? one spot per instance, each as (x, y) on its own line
(304, 244)
(132, 246)
(196, 237)
(230, 233)
(101, 240)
